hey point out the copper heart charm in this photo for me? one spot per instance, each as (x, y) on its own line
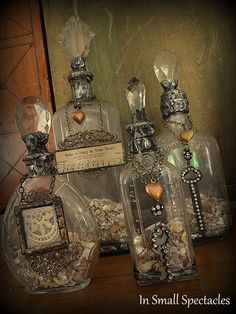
(155, 190)
(186, 135)
(78, 116)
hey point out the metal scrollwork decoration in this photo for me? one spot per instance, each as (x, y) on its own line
(87, 138)
(47, 265)
(173, 99)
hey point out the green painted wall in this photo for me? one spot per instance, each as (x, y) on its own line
(129, 34)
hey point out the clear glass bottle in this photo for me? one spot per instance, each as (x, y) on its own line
(160, 241)
(87, 121)
(196, 155)
(50, 238)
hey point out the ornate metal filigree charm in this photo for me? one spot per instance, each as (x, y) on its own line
(36, 196)
(87, 138)
(160, 242)
(47, 265)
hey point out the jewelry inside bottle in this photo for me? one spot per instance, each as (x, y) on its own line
(195, 155)
(161, 245)
(50, 239)
(88, 137)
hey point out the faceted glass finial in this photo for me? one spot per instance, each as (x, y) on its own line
(32, 116)
(76, 37)
(166, 66)
(135, 94)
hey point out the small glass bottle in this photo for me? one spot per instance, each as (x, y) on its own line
(160, 242)
(196, 156)
(50, 239)
(90, 128)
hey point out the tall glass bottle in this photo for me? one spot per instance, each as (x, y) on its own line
(160, 242)
(50, 239)
(196, 155)
(89, 129)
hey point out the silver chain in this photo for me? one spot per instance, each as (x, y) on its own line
(142, 171)
(183, 125)
(67, 119)
(26, 176)
(100, 115)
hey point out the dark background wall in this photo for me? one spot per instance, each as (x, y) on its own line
(129, 34)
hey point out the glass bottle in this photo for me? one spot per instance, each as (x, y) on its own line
(50, 239)
(92, 124)
(160, 241)
(196, 155)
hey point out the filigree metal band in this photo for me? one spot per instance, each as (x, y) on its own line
(173, 99)
(87, 138)
(47, 265)
(39, 159)
(141, 137)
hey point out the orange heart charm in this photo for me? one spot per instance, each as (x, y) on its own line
(78, 116)
(186, 135)
(155, 190)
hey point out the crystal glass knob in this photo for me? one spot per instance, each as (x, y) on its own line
(76, 37)
(32, 115)
(135, 94)
(166, 66)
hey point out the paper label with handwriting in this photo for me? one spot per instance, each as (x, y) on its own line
(86, 158)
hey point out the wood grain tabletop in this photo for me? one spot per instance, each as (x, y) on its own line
(113, 288)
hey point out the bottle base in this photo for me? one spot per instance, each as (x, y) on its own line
(211, 236)
(113, 248)
(56, 290)
(150, 279)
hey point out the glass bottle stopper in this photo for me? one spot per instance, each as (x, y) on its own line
(135, 94)
(166, 67)
(33, 121)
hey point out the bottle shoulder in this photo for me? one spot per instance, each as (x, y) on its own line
(93, 106)
(168, 171)
(62, 188)
(95, 117)
(200, 139)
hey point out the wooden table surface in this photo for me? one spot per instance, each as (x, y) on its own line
(113, 288)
